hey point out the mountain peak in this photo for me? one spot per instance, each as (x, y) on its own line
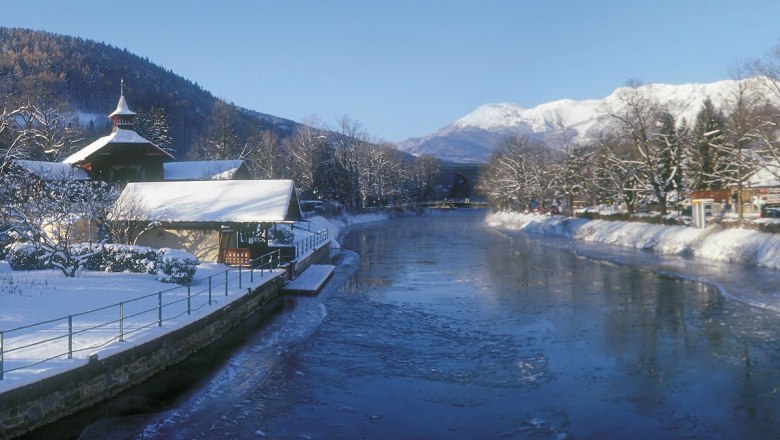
(491, 116)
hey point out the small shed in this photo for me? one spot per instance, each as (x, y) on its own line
(209, 218)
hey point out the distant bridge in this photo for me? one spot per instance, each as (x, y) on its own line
(459, 182)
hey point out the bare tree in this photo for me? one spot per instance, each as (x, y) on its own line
(129, 218)
(514, 176)
(616, 173)
(45, 211)
(267, 155)
(424, 175)
(656, 158)
(741, 140)
(767, 76)
(7, 148)
(570, 173)
(307, 151)
(344, 176)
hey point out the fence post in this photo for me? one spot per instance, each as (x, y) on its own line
(226, 282)
(239, 277)
(159, 309)
(70, 336)
(188, 299)
(1, 355)
(121, 322)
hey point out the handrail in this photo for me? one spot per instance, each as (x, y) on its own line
(317, 238)
(130, 317)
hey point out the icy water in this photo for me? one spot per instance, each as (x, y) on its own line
(446, 329)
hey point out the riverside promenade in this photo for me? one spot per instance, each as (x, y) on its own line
(34, 396)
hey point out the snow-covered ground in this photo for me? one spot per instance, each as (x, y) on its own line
(92, 299)
(731, 245)
(28, 298)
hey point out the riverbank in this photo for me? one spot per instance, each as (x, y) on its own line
(30, 297)
(716, 243)
(57, 366)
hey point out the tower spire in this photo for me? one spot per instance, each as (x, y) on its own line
(122, 116)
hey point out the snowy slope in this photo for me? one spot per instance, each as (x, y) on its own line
(473, 137)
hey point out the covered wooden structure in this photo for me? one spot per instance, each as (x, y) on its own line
(124, 155)
(211, 219)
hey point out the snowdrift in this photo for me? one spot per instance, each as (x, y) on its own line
(716, 243)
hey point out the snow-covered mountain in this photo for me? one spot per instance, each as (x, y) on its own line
(473, 137)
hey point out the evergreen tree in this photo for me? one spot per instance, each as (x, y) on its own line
(704, 156)
(670, 140)
(154, 126)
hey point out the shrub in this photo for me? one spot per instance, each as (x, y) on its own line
(170, 266)
(129, 258)
(24, 256)
(90, 256)
(175, 266)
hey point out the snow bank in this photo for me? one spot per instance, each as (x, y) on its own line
(728, 245)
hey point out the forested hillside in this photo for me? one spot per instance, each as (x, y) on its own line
(56, 91)
(83, 77)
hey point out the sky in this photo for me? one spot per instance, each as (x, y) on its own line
(407, 68)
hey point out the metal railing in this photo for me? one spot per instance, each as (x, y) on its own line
(311, 242)
(61, 338)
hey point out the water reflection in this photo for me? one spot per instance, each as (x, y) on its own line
(663, 357)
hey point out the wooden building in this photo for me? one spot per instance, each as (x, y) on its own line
(210, 218)
(123, 156)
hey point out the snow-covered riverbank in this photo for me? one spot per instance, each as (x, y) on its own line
(715, 243)
(30, 297)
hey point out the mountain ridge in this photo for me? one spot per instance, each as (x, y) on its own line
(473, 137)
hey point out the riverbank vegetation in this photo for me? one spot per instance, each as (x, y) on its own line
(648, 158)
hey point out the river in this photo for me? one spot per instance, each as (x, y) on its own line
(443, 328)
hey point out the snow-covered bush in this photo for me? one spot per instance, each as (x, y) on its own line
(170, 265)
(174, 266)
(129, 258)
(24, 256)
(89, 255)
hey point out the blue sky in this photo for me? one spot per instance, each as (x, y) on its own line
(407, 68)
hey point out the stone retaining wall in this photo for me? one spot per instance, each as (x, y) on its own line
(29, 407)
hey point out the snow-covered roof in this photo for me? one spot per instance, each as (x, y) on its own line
(119, 136)
(53, 170)
(201, 170)
(240, 201)
(122, 108)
